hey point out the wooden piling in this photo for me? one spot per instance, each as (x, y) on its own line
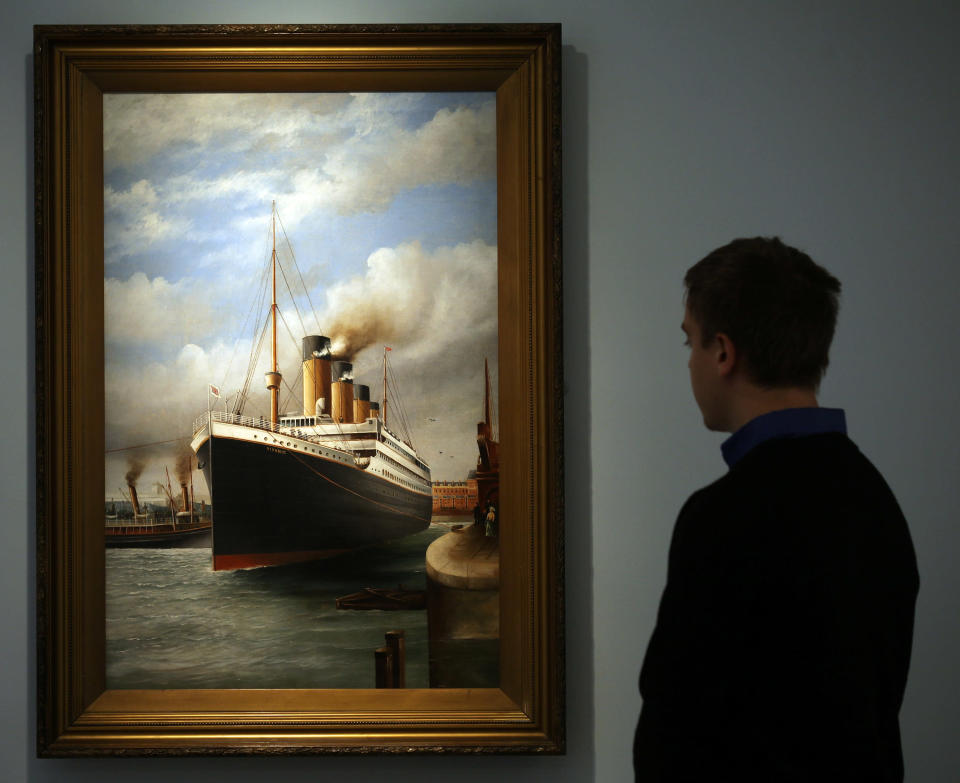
(397, 644)
(383, 657)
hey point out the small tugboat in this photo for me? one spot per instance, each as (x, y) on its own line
(146, 528)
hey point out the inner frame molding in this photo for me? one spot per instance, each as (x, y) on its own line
(74, 67)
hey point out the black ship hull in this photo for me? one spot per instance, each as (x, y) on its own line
(198, 538)
(274, 505)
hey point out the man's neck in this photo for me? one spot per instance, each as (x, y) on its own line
(754, 401)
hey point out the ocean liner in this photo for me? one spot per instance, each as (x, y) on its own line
(330, 478)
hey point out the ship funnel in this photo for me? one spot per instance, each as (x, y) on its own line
(316, 374)
(375, 410)
(361, 402)
(133, 500)
(186, 496)
(341, 392)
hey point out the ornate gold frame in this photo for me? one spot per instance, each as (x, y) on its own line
(74, 66)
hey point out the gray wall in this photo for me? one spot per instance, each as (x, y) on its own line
(832, 124)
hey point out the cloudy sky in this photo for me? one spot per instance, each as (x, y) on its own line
(389, 204)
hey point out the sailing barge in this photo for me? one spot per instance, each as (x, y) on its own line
(314, 484)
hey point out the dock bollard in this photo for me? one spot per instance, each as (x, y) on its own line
(398, 646)
(383, 657)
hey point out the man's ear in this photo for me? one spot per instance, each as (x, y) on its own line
(725, 354)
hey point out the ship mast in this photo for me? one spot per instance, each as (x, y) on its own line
(486, 392)
(274, 376)
(384, 412)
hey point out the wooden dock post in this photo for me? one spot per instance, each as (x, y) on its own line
(383, 657)
(396, 642)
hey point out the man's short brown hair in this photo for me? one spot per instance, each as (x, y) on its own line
(774, 302)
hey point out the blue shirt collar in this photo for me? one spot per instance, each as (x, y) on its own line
(787, 423)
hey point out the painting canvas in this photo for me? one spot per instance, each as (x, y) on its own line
(274, 514)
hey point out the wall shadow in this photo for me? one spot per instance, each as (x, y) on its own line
(577, 405)
(29, 229)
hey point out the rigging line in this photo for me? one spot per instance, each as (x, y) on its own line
(300, 373)
(401, 406)
(255, 349)
(232, 399)
(261, 297)
(352, 492)
(398, 403)
(241, 401)
(409, 428)
(255, 344)
(399, 425)
(289, 331)
(255, 306)
(291, 389)
(145, 445)
(297, 267)
(292, 393)
(293, 299)
(254, 359)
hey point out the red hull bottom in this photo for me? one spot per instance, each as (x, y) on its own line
(255, 560)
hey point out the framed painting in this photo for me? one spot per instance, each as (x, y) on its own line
(299, 412)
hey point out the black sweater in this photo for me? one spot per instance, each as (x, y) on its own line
(783, 638)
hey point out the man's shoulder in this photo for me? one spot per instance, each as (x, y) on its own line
(824, 444)
(706, 496)
(830, 457)
(797, 473)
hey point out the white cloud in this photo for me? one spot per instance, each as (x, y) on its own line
(138, 127)
(245, 186)
(137, 219)
(346, 154)
(154, 313)
(367, 172)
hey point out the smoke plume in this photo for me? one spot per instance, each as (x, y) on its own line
(183, 466)
(134, 469)
(359, 330)
(426, 300)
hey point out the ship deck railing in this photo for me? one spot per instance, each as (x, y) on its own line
(260, 423)
(155, 527)
(257, 422)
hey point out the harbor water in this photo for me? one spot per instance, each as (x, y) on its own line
(172, 622)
